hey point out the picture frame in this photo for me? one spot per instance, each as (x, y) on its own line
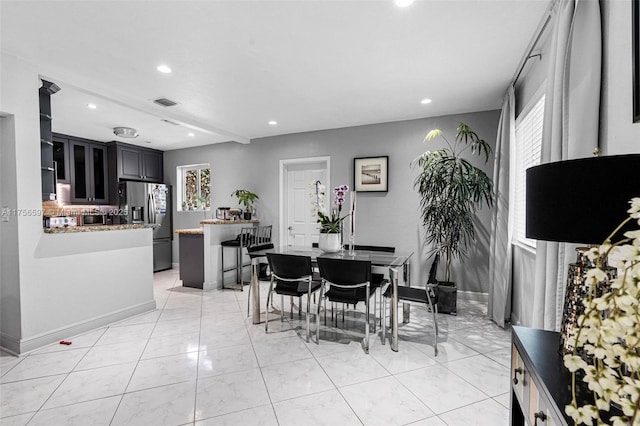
(371, 174)
(635, 43)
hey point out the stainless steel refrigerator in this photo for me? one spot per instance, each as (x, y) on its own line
(149, 203)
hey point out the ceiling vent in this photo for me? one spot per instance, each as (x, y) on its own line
(165, 102)
(125, 132)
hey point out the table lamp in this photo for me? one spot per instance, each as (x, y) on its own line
(580, 201)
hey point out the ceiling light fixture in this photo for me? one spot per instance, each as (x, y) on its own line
(273, 123)
(91, 106)
(425, 101)
(125, 132)
(164, 69)
(190, 134)
(403, 3)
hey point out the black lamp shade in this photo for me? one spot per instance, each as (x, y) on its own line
(580, 201)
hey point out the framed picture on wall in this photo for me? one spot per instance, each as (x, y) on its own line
(371, 174)
(635, 43)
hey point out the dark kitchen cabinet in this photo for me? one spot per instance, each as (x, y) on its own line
(89, 172)
(130, 162)
(61, 158)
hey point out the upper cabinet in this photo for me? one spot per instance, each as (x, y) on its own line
(61, 158)
(88, 172)
(130, 162)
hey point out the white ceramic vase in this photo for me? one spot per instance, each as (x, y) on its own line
(329, 243)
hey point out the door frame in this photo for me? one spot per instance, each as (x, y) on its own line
(284, 167)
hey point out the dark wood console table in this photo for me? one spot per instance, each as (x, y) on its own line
(540, 384)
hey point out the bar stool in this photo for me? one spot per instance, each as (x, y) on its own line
(243, 240)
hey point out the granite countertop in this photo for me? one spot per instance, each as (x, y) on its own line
(95, 228)
(226, 222)
(194, 231)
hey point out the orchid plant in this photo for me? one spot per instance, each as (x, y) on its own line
(330, 221)
(609, 333)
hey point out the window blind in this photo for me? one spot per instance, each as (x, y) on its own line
(528, 148)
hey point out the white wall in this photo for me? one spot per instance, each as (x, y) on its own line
(618, 133)
(390, 218)
(9, 277)
(67, 283)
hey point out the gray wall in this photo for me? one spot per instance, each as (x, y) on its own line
(618, 133)
(390, 218)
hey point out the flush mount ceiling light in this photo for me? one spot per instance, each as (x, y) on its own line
(403, 3)
(191, 134)
(273, 123)
(91, 106)
(164, 69)
(425, 101)
(125, 132)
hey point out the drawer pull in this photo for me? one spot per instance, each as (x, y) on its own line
(539, 415)
(516, 371)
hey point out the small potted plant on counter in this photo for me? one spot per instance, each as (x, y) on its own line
(246, 198)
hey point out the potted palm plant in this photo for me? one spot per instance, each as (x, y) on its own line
(246, 198)
(451, 190)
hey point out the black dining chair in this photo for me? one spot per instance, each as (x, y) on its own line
(427, 295)
(347, 281)
(292, 276)
(378, 280)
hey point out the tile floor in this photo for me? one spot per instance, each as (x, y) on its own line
(197, 360)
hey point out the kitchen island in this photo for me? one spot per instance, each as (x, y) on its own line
(215, 232)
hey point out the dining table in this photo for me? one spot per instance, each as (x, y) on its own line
(396, 262)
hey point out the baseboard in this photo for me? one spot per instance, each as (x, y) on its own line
(32, 343)
(473, 296)
(175, 265)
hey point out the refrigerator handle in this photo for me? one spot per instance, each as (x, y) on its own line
(151, 213)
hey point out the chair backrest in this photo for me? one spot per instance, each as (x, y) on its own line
(344, 271)
(434, 270)
(262, 234)
(289, 266)
(247, 236)
(372, 248)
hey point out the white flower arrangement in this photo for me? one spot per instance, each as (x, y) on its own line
(609, 333)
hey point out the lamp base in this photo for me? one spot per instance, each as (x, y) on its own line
(577, 291)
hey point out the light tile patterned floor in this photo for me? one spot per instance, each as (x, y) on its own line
(197, 360)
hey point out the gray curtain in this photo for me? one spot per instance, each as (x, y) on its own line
(500, 265)
(571, 120)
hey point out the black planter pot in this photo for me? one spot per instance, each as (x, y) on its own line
(247, 215)
(447, 297)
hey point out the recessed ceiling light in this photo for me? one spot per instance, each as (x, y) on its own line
(425, 101)
(190, 134)
(403, 3)
(92, 106)
(164, 69)
(273, 123)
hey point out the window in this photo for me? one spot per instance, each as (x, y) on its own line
(528, 147)
(195, 193)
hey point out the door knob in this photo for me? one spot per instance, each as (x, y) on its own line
(290, 228)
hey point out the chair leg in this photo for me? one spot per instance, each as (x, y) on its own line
(291, 306)
(239, 267)
(299, 307)
(375, 302)
(435, 324)
(266, 318)
(308, 303)
(281, 308)
(383, 319)
(366, 329)
(249, 298)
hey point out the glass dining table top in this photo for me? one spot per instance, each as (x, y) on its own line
(377, 258)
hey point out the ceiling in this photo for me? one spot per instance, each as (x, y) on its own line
(236, 65)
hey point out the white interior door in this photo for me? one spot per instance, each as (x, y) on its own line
(300, 225)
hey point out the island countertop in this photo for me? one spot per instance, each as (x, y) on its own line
(194, 231)
(227, 222)
(95, 228)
